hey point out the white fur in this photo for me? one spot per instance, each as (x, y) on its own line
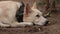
(8, 11)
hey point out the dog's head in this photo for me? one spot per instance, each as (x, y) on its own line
(32, 14)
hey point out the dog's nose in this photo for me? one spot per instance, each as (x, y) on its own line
(46, 23)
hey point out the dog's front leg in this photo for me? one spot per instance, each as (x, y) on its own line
(16, 24)
(4, 25)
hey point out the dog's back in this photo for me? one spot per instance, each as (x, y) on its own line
(8, 11)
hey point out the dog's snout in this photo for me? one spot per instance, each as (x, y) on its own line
(46, 23)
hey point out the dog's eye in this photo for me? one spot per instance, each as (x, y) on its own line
(37, 15)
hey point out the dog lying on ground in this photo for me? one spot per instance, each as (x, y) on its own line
(13, 14)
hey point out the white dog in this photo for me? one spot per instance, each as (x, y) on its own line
(8, 10)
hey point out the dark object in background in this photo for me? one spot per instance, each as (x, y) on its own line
(19, 14)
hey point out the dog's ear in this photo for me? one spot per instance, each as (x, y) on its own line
(27, 9)
(34, 5)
